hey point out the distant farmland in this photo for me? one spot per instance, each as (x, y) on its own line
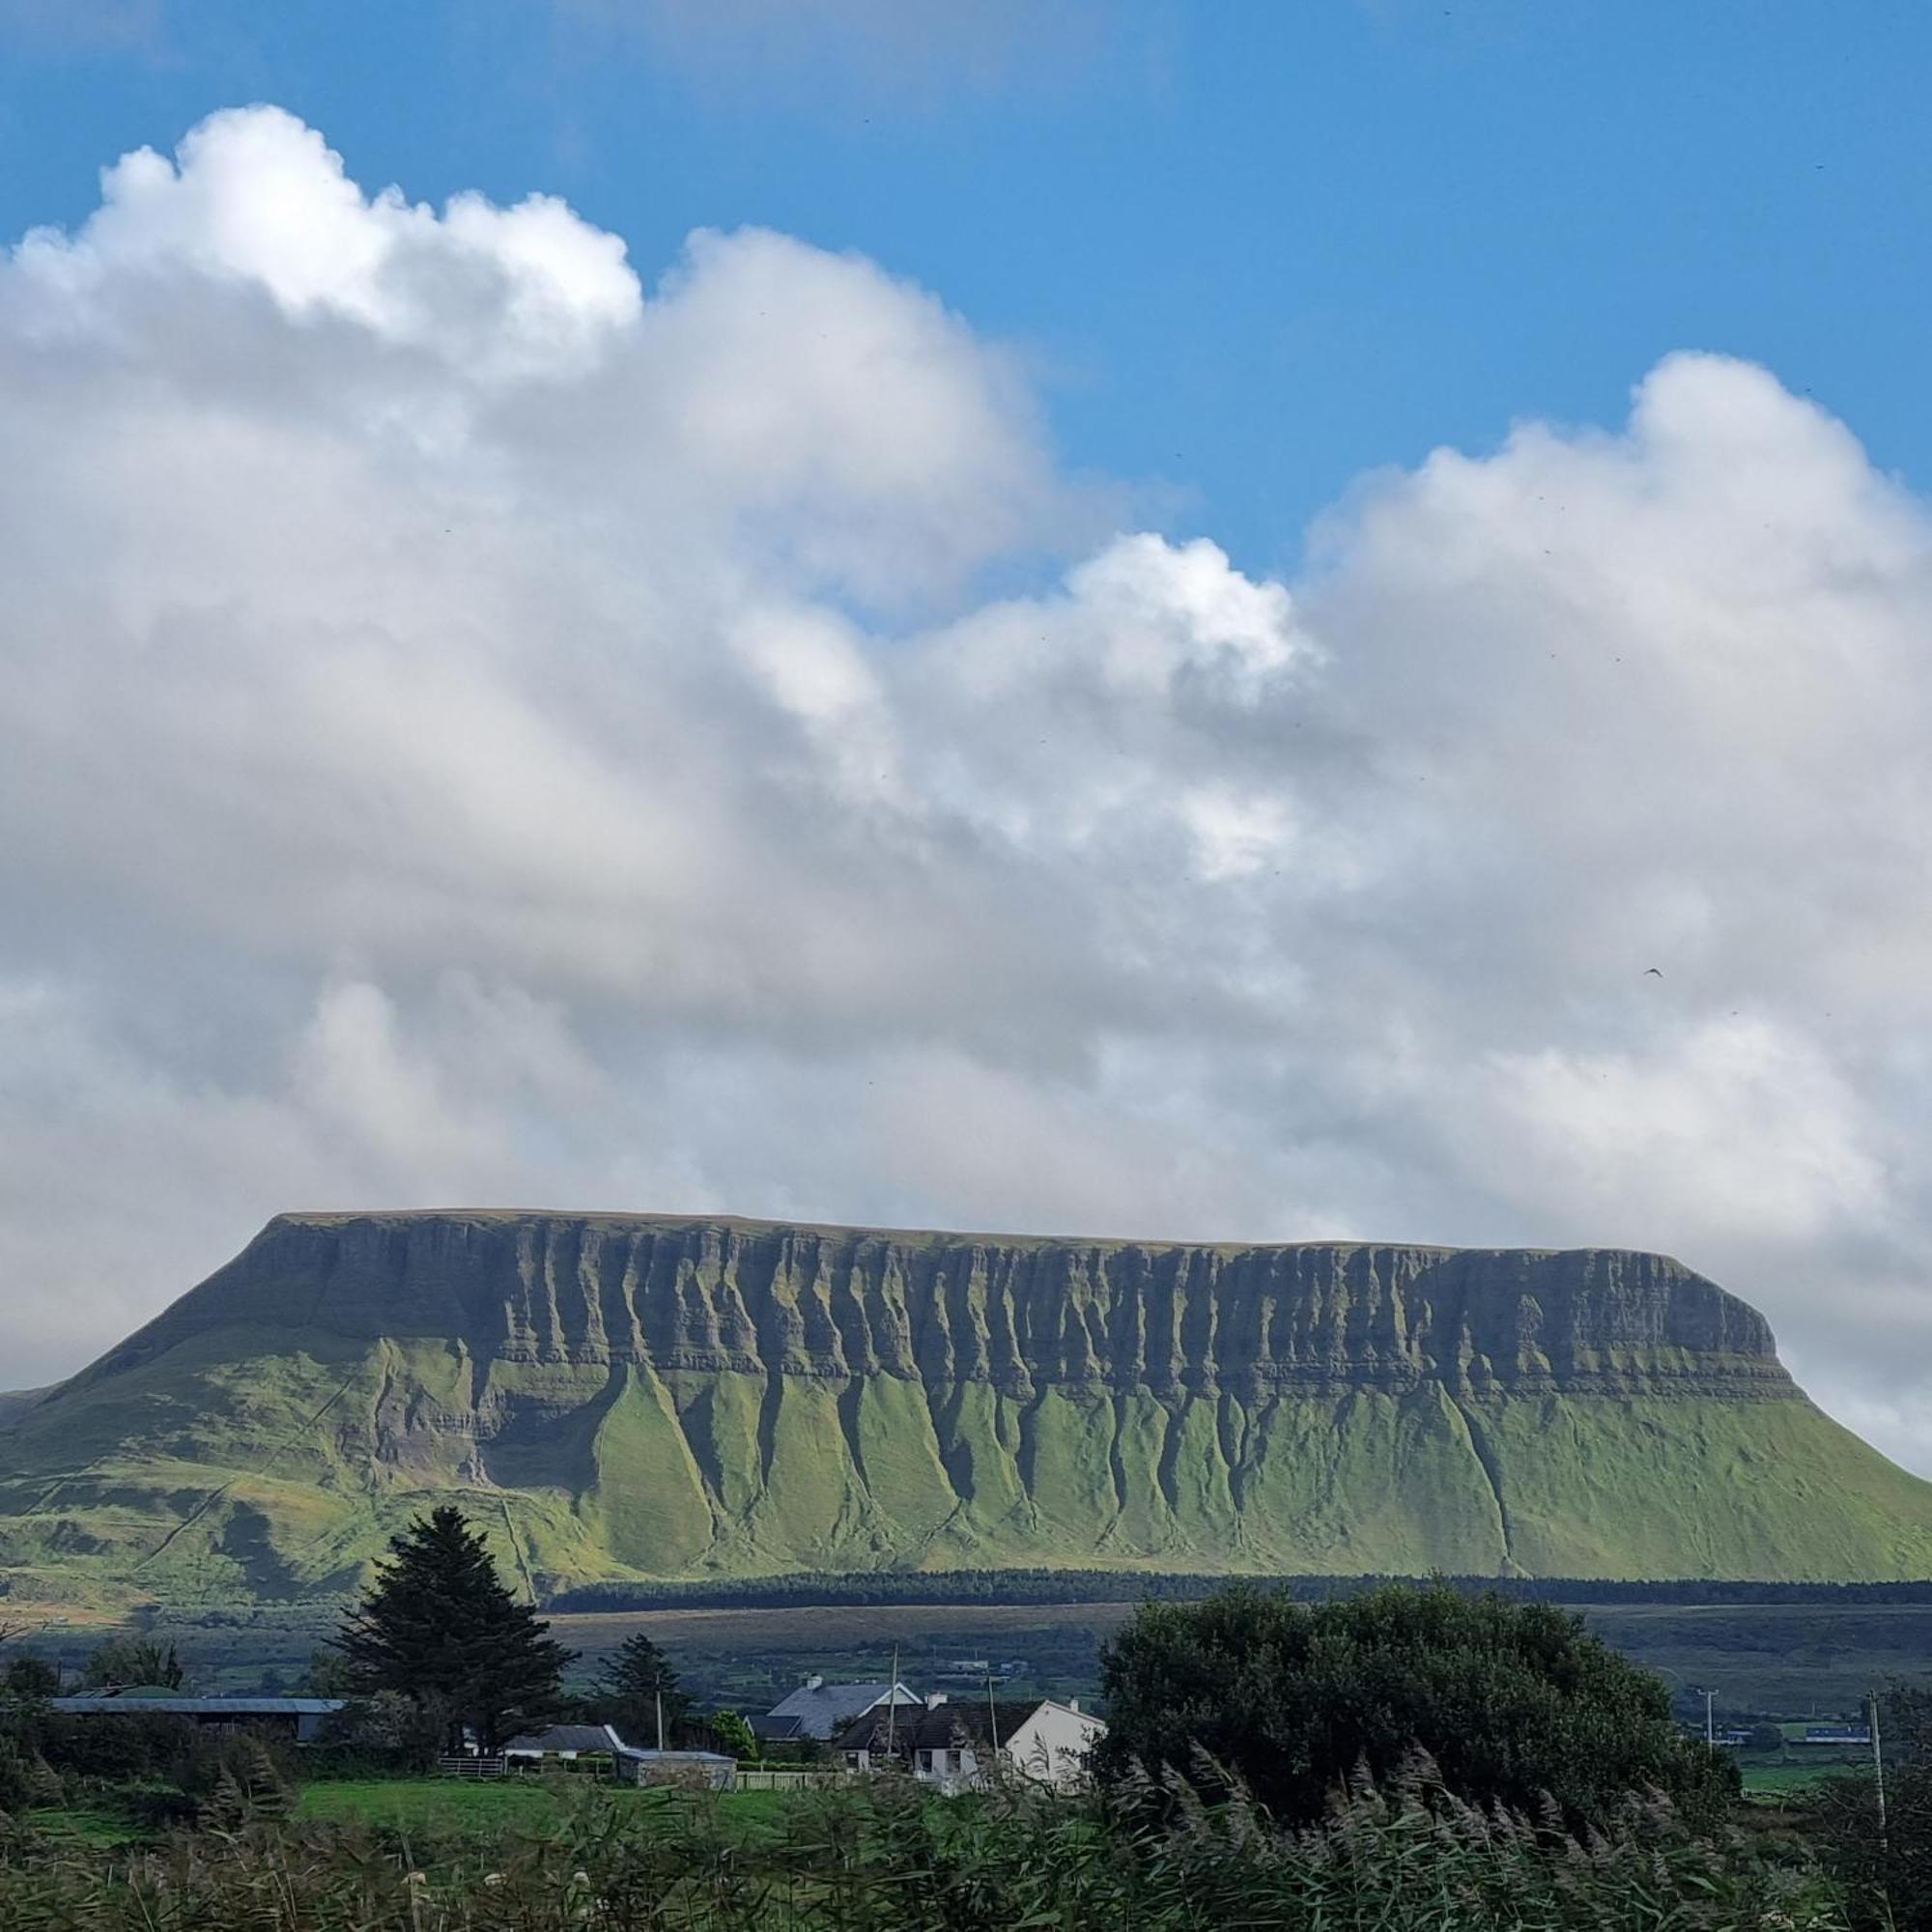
(1792, 1660)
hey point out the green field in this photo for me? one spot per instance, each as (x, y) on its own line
(1795, 1660)
(408, 1803)
(90, 1825)
(1787, 1776)
(436, 1806)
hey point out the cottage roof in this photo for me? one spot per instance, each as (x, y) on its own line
(114, 1704)
(949, 1726)
(820, 1708)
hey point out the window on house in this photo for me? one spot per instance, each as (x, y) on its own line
(926, 1760)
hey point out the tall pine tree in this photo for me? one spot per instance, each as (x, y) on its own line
(633, 1683)
(439, 1626)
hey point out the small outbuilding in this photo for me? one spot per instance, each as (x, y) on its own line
(676, 1767)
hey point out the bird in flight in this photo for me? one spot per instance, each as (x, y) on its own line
(1648, 971)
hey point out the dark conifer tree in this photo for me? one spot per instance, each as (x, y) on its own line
(439, 1626)
(633, 1682)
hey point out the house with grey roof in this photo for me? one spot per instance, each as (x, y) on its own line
(820, 1709)
(297, 1717)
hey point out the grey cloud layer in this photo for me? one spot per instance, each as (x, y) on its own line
(480, 730)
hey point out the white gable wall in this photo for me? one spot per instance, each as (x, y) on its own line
(1053, 1744)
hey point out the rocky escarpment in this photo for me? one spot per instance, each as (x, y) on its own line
(625, 1396)
(763, 1298)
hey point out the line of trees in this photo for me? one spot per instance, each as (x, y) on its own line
(808, 1589)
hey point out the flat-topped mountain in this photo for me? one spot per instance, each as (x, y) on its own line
(647, 1396)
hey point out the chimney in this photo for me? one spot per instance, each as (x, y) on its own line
(1073, 1705)
(814, 1683)
(934, 1699)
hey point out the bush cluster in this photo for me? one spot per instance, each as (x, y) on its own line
(1517, 1703)
(160, 1770)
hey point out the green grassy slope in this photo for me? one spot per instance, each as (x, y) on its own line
(254, 1475)
(738, 1430)
(17, 1402)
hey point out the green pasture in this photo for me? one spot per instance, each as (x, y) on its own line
(84, 1825)
(446, 1803)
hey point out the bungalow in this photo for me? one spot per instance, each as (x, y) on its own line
(299, 1719)
(817, 1709)
(953, 1747)
(563, 1744)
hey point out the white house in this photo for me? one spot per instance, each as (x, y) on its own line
(954, 1746)
(565, 1743)
(1054, 1744)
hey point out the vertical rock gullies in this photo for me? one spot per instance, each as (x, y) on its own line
(713, 1294)
(632, 1396)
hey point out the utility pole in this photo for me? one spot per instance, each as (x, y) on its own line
(892, 1708)
(1710, 1720)
(660, 1716)
(1878, 1767)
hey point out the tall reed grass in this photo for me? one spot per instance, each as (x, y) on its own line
(888, 1858)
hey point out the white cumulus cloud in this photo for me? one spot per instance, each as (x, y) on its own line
(487, 720)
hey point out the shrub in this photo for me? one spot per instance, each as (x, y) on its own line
(16, 1780)
(257, 1763)
(388, 1730)
(31, 1679)
(1516, 1703)
(142, 1744)
(134, 1660)
(1886, 1866)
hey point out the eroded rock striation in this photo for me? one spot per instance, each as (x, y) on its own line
(637, 1395)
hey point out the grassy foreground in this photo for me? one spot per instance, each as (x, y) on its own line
(888, 1855)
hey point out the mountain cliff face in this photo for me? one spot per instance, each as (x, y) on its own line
(632, 1396)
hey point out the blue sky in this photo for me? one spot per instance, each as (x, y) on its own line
(1252, 248)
